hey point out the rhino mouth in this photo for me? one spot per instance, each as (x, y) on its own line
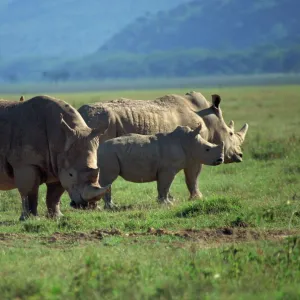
(218, 162)
(235, 158)
(84, 204)
(238, 158)
(81, 205)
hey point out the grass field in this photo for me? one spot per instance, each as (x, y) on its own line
(241, 242)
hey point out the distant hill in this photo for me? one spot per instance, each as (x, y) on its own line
(219, 25)
(194, 38)
(68, 28)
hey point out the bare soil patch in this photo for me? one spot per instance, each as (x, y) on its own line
(206, 237)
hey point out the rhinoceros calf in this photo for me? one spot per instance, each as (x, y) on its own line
(163, 115)
(45, 140)
(146, 158)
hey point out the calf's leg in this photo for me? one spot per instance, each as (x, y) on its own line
(164, 181)
(192, 173)
(54, 193)
(28, 180)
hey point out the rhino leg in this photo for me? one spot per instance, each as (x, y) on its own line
(104, 181)
(27, 180)
(164, 181)
(171, 198)
(54, 192)
(108, 204)
(192, 173)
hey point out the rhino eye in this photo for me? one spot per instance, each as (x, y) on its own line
(207, 149)
(71, 175)
(231, 133)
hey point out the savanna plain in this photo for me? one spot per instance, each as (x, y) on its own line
(242, 241)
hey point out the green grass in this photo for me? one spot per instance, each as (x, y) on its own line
(231, 245)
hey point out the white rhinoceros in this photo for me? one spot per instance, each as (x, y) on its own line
(146, 158)
(45, 140)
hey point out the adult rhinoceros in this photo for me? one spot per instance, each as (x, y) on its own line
(164, 114)
(45, 140)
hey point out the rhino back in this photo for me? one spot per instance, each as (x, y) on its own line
(141, 116)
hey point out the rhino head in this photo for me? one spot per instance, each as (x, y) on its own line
(218, 131)
(77, 165)
(203, 151)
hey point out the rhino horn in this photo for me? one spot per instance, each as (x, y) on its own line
(69, 132)
(94, 193)
(243, 131)
(216, 100)
(231, 125)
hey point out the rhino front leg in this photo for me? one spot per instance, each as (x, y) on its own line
(27, 180)
(164, 181)
(54, 193)
(104, 181)
(192, 173)
(108, 204)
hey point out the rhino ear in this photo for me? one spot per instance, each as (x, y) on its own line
(69, 133)
(66, 128)
(231, 125)
(216, 100)
(22, 98)
(197, 130)
(189, 93)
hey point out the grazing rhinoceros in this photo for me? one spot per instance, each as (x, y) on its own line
(164, 114)
(45, 140)
(146, 158)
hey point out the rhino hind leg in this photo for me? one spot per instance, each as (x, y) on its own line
(164, 181)
(191, 179)
(54, 192)
(28, 180)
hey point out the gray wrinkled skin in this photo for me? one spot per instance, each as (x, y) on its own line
(164, 114)
(146, 158)
(45, 140)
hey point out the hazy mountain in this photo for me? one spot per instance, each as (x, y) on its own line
(66, 28)
(193, 38)
(215, 24)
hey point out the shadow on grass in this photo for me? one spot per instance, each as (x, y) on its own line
(209, 207)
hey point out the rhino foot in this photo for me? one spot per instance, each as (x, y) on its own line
(55, 215)
(195, 196)
(110, 206)
(171, 198)
(165, 201)
(25, 217)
